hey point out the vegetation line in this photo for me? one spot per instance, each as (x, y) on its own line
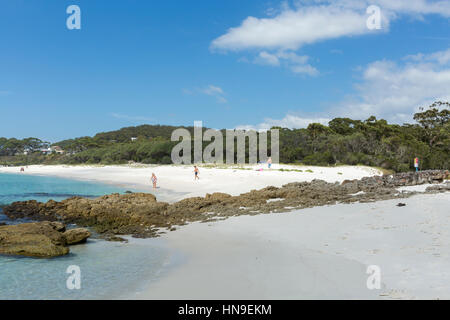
(344, 141)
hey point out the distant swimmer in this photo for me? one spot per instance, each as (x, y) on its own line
(196, 172)
(154, 180)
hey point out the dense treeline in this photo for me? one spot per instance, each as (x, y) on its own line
(11, 147)
(124, 135)
(371, 142)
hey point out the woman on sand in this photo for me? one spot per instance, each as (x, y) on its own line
(269, 163)
(154, 180)
(196, 172)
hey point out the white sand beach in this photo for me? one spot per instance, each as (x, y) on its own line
(317, 253)
(177, 182)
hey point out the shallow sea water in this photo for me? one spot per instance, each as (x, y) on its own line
(108, 270)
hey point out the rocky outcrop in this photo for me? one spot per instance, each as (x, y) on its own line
(439, 188)
(401, 179)
(141, 215)
(415, 178)
(76, 236)
(40, 239)
(115, 214)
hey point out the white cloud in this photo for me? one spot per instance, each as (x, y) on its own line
(415, 7)
(388, 90)
(292, 29)
(267, 59)
(215, 91)
(395, 91)
(313, 21)
(289, 121)
(305, 69)
(442, 57)
(296, 63)
(221, 99)
(212, 90)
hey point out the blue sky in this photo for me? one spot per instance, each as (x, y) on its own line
(229, 63)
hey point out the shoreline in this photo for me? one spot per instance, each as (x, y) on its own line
(177, 182)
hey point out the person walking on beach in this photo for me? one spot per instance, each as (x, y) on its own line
(269, 163)
(416, 164)
(154, 180)
(196, 172)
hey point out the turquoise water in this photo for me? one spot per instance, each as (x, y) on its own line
(108, 270)
(18, 187)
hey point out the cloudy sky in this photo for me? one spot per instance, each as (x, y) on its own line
(228, 63)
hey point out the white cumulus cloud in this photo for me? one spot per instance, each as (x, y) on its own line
(313, 21)
(395, 91)
(387, 89)
(210, 90)
(297, 63)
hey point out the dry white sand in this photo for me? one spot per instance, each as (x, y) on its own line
(177, 182)
(321, 252)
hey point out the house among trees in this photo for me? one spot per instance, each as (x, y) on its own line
(46, 150)
(54, 149)
(57, 149)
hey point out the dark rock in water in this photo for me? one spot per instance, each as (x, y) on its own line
(401, 205)
(116, 239)
(114, 214)
(128, 192)
(58, 226)
(40, 239)
(76, 236)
